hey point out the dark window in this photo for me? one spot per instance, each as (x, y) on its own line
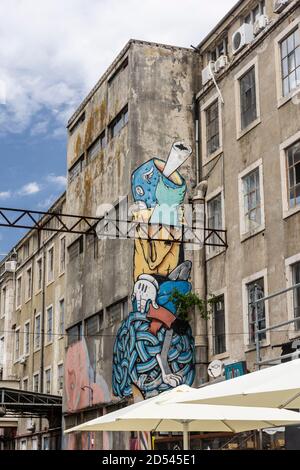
(76, 248)
(116, 312)
(293, 170)
(119, 122)
(77, 123)
(290, 62)
(74, 334)
(214, 212)
(76, 169)
(248, 98)
(98, 145)
(259, 9)
(92, 325)
(255, 291)
(219, 335)
(212, 128)
(220, 49)
(296, 280)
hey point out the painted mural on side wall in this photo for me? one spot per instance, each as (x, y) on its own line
(154, 349)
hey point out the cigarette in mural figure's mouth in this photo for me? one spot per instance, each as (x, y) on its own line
(180, 152)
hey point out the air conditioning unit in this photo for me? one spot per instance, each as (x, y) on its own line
(280, 5)
(207, 73)
(221, 63)
(243, 36)
(260, 24)
(23, 360)
(11, 266)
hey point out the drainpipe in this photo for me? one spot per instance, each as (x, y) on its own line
(200, 276)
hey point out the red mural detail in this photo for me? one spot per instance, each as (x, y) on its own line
(81, 391)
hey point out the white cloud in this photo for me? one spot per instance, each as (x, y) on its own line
(29, 189)
(58, 181)
(5, 194)
(53, 52)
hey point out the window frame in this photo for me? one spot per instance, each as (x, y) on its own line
(60, 365)
(47, 340)
(203, 111)
(39, 260)
(62, 271)
(3, 302)
(48, 369)
(212, 251)
(281, 99)
(218, 293)
(293, 332)
(36, 374)
(244, 235)
(28, 295)
(50, 248)
(245, 282)
(19, 292)
(251, 64)
(287, 211)
(62, 334)
(17, 357)
(35, 347)
(25, 342)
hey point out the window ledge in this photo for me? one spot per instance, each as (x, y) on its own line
(249, 128)
(252, 233)
(61, 273)
(49, 283)
(37, 350)
(28, 300)
(211, 157)
(220, 357)
(285, 99)
(38, 292)
(48, 343)
(251, 348)
(290, 212)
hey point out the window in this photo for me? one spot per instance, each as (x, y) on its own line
(248, 98)
(74, 333)
(46, 444)
(76, 169)
(62, 317)
(19, 291)
(26, 250)
(251, 198)
(293, 174)
(36, 382)
(49, 324)
(214, 221)
(255, 291)
(48, 381)
(50, 271)
(60, 377)
(37, 332)
(34, 444)
(3, 302)
(77, 123)
(122, 67)
(220, 49)
(259, 9)
(76, 248)
(219, 335)
(28, 283)
(98, 145)
(212, 128)
(296, 294)
(62, 252)
(2, 351)
(17, 344)
(290, 62)
(117, 311)
(25, 384)
(92, 325)
(119, 122)
(39, 266)
(27, 338)
(23, 444)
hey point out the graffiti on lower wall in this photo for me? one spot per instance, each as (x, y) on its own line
(154, 349)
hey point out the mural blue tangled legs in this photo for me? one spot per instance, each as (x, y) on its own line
(154, 349)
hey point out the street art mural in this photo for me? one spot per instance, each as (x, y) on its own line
(154, 349)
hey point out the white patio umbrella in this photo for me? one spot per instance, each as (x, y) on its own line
(152, 415)
(274, 387)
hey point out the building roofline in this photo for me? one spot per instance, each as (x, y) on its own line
(114, 64)
(228, 15)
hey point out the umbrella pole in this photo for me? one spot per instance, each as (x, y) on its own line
(186, 445)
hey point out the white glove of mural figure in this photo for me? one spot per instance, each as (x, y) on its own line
(174, 380)
(145, 289)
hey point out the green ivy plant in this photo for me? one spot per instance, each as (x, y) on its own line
(186, 302)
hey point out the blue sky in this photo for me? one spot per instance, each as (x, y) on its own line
(51, 54)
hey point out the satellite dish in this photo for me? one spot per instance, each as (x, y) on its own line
(215, 369)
